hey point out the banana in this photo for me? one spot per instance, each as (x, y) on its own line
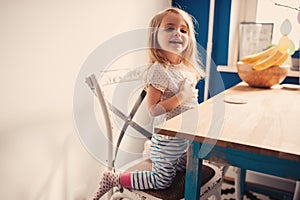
(269, 61)
(259, 56)
(282, 59)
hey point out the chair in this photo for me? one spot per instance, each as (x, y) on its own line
(211, 184)
(212, 176)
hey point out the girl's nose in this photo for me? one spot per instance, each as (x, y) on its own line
(177, 32)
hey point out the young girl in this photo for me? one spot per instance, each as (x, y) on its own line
(171, 79)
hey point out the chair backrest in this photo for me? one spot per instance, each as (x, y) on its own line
(126, 113)
(95, 87)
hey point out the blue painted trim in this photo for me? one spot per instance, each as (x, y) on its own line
(221, 31)
(194, 182)
(242, 182)
(219, 44)
(256, 162)
(243, 159)
(230, 79)
(292, 80)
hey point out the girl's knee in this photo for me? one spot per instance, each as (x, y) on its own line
(164, 185)
(163, 181)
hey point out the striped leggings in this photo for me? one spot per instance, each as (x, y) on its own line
(168, 156)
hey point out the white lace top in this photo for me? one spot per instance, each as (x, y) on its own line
(168, 80)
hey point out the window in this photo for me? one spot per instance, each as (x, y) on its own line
(262, 11)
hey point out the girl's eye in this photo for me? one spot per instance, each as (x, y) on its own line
(169, 29)
(183, 31)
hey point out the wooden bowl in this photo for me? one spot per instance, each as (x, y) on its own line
(265, 78)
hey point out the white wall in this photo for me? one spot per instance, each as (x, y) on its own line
(241, 11)
(277, 14)
(42, 46)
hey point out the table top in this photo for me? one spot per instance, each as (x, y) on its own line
(263, 121)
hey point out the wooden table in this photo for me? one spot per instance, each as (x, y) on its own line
(262, 134)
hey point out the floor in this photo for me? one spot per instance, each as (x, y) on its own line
(228, 193)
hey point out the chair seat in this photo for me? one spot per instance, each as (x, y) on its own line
(176, 190)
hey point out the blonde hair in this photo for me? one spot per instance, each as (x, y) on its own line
(190, 54)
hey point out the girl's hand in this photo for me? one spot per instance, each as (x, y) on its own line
(186, 91)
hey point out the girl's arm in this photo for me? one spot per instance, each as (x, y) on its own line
(157, 107)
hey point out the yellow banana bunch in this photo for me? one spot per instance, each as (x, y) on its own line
(258, 56)
(282, 59)
(268, 58)
(277, 58)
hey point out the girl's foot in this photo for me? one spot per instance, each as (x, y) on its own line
(108, 181)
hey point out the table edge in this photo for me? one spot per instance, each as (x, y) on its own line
(233, 145)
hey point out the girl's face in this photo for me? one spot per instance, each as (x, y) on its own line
(173, 34)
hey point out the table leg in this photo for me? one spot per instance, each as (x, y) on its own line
(240, 183)
(193, 173)
(297, 191)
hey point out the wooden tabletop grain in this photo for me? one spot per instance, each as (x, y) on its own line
(263, 121)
